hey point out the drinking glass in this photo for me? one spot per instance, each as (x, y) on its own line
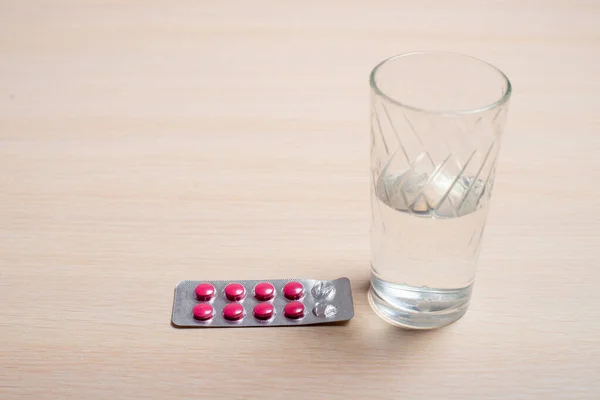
(436, 123)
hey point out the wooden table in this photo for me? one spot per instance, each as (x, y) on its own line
(146, 142)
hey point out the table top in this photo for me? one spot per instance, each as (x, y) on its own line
(146, 142)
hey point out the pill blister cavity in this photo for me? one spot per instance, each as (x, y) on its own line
(264, 291)
(293, 290)
(235, 292)
(294, 310)
(204, 291)
(233, 312)
(203, 312)
(324, 310)
(263, 311)
(323, 290)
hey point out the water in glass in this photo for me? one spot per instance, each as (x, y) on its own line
(425, 249)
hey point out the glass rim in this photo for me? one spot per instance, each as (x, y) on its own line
(499, 102)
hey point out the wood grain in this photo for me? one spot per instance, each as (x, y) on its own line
(146, 142)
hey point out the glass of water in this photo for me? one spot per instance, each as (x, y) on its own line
(436, 123)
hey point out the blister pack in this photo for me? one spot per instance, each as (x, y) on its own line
(271, 302)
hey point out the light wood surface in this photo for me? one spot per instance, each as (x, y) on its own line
(146, 142)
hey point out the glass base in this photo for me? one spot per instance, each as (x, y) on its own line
(418, 308)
